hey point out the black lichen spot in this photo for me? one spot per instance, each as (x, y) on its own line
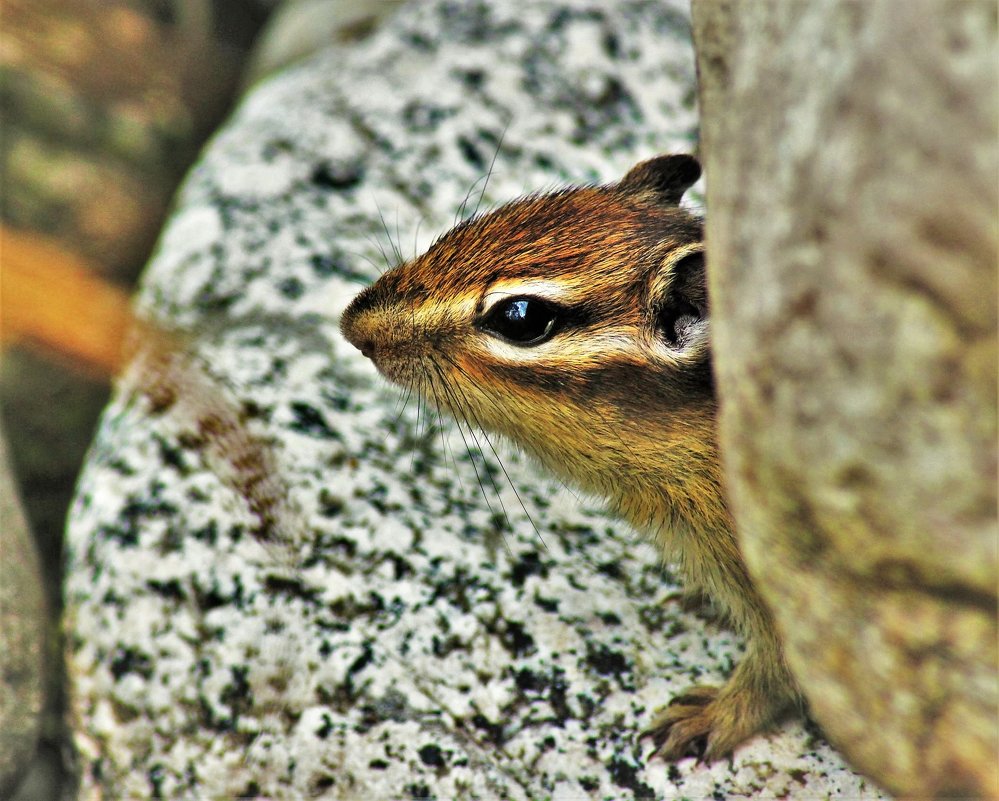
(208, 302)
(432, 755)
(544, 162)
(799, 776)
(625, 775)
(587, 706)
(133, 519)
(323, 265)
(119, 466)
(378, 764)
(611, 570)
(330, 505)
(309, 420)
(339, 177)
(155, 777)
(366, 657)
(112, 598)
(615, 94)
(528, 565)
(208, 534)
(290, 587)
(170, 455)
(564, 17)
(326, 728)
(515, 638)
(557, 696)
(548, 604)
(236, 694)
(471, 153)
(605, 661)
(351, 608)
(653, 616)
(420, 116)
(212, 597)
(321, 783)
(588, 783)
(528, 681)
(251, 410)
(472, 78)
(461, 590)
(401, 567)
(172, 540)
(292, 288)
(131, 660)
(609, 618)
(419, 791)
(612, 45)
(442, 647)
(170, 590)
(492, 731)
(339, 399)
(326, 545)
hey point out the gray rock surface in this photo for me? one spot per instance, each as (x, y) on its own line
(853, 188)
(433, 624)
(23, 633)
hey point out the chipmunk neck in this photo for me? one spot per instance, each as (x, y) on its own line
(662, 475)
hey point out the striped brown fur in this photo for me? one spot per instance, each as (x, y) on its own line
(615, 397)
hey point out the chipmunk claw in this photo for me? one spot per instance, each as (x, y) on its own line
(711, 722)
(686, 728)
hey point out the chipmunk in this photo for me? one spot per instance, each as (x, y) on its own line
(576, 325)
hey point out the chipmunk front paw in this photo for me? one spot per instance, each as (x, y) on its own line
(710, 722)
(684, 727)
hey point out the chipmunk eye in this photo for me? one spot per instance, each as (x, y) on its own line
(522, 321)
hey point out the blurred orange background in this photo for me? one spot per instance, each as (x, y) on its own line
(104, 106)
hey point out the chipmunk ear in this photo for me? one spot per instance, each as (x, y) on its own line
(678, 301)
(665, 177)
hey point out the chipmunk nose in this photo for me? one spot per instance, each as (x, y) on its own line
(354, 324)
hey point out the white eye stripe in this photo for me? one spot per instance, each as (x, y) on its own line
(572, 351)
(555, 291)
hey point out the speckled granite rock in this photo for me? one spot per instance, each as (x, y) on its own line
(416, 648)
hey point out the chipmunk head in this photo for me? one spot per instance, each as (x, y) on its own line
(574, 323)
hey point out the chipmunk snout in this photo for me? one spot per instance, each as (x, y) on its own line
(355, 327)
(368, 330)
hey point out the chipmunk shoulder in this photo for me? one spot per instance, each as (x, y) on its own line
(576, 324)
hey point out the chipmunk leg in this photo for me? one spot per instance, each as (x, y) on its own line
(710, 722)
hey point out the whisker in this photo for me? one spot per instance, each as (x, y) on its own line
(459, 215)
(445, 447)
(386, 261)
(499, 460)
(460, 410)
(489, 172)
(398, 237)
(416, 238)
(379, 268)
(396, 253)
